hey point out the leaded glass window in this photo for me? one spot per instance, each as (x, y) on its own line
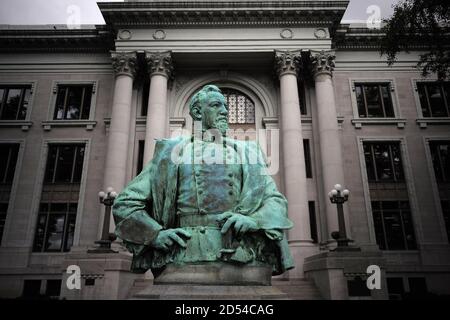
(241, 109)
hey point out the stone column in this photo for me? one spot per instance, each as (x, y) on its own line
(124, 64)
(329, 136)
(288, 65)
(160, 69)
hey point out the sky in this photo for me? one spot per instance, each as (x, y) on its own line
(26, 12)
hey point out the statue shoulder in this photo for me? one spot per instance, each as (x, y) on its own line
(163, 145)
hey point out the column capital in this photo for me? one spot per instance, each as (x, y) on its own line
(323, 62)
(159, 63)
(124, 63)
(287, 62)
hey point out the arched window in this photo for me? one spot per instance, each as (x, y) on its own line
(241, 109)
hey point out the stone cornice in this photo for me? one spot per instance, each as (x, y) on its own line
(98, 39)
(178, 13)
(124, 63)
(159, 63)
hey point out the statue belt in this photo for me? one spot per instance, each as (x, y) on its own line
(198, 220)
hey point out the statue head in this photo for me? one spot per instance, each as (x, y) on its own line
(210, 107)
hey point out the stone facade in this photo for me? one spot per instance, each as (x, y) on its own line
(270, 52)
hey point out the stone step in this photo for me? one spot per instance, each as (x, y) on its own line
(292, 289)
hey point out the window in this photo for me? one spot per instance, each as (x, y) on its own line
(383, 161)
(393, 225)
(8, 160)
(313, 221)
(445, 204)
(374, 100)
(73, 102)
(53, 288)
(395, 288)
(145, 95)
(31, 288)
(59, 201)
(241, 109)
(301, 98)
(140, 160)
(434, 98)
(14, 101)
(307, 152)
(440, 154)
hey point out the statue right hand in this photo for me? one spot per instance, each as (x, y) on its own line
(166, 238)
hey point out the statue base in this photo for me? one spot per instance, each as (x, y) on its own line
(216, 274)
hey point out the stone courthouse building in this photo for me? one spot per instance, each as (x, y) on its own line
(80, 109)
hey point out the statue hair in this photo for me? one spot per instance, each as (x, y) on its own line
(200, 97)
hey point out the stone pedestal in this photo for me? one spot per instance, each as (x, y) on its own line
(331, 271)
(104, 276)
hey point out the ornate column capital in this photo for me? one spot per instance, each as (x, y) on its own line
(287, 62)
(323, 63)
(124, 63)
(159, 63)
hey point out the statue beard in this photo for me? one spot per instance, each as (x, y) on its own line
(221, 125)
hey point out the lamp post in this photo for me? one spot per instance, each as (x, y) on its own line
(339, 197)
(107, 199)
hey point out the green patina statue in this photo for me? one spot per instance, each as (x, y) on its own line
(204, 200)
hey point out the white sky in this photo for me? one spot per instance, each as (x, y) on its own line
(24, 12)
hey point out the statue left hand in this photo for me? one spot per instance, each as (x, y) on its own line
(242, 224)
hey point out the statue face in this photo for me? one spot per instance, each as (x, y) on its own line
(215, 112)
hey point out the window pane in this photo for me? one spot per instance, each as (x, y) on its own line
(307, 153)
(383, 162)
(70, 231)
(444, 151)
(86, 102)
(74, 98)
(65, 164)
(25, 101)
(386, 94)
(397, 161)
(51, 160)
(393, 227)
(2, 93)
(3, 212)
(408, 226)
(11, 106)
(55, 231)
(378, 225)
(40, 233)
(423, 99)
(360, 101)
(240, 108)
(446, 213)
(60, 103)
(373, 100)
(369, 162)
(436, 100)
(78, 164)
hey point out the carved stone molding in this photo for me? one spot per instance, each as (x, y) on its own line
(124, 63)
(160, 63)
(287, 62)
(323, 63)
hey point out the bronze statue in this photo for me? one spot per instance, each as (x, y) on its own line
(188, 208)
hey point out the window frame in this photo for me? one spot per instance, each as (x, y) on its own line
(39, 186)
(89, 123)
(422, 121)
(410, 186)
(358, 121)
(14, 187)
(26, 123)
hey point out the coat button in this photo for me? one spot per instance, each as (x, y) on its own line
(200, 191)
(202, 229)
(230, 184)
(202, 211)
(230, 175)
(230, 193)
